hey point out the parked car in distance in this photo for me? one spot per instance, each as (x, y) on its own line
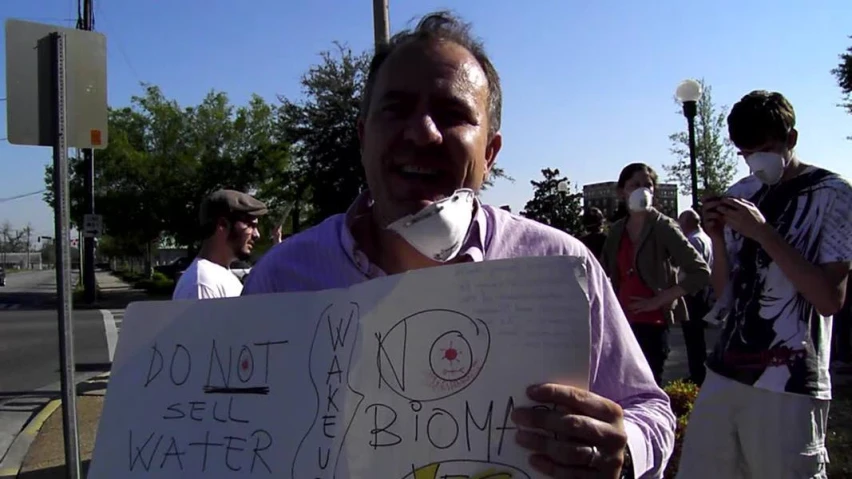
(2, 276)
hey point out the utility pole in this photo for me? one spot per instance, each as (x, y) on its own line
(87, 266)
(381, 26)
(29, 231)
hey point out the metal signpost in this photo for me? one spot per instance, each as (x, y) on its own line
(56, 96)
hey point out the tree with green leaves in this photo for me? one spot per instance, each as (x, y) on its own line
(714, 153)
(162, 159)
(843, 74)
(326, 168)
(550, 206)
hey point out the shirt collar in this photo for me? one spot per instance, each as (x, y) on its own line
(473, 246)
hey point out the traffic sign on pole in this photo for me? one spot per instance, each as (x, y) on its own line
(29, 94)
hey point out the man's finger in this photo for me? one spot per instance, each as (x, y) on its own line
(566, 453)
(576, 427)
(577, 400)
(736, 203)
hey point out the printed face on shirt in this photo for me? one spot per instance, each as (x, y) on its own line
(241, 237)
(426, 131)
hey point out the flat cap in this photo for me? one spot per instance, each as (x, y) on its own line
(225, 203)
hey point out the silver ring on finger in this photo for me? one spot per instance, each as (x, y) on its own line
(593, 457)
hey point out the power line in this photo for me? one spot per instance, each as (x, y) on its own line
(25, 195)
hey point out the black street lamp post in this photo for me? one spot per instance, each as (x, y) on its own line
(688, 93)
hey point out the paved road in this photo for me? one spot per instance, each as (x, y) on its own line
(29, 348)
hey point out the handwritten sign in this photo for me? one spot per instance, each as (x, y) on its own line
(411, 376)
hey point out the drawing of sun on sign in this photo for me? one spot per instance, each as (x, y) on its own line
(432, 354)
(467, 469)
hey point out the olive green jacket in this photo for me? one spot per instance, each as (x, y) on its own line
(662, 249)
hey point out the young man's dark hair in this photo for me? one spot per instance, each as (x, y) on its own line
(759, 118)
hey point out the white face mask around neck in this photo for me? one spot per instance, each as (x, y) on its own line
(438, 230)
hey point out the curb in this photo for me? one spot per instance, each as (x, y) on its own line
(14, 459)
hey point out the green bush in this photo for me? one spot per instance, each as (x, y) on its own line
(129, 277)
(160, 286)
(158, 276)
(682, 395)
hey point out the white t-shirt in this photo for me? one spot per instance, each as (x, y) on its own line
(774, 338)
(205, 280)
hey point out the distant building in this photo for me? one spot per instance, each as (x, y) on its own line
(603, 196)
(666, 199)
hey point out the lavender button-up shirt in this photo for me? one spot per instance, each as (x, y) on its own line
(326, 256)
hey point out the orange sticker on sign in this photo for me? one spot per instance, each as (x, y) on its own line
(95, 137)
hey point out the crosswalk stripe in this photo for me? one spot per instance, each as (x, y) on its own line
(111, 331)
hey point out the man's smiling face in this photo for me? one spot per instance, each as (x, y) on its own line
(426, 131)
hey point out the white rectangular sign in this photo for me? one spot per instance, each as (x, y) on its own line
(411, 376)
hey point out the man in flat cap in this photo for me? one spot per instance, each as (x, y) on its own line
(229, 227)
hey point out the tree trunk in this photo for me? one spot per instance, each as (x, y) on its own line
(149, 266)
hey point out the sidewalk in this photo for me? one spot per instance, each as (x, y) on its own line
(45, 458)
(113, 293)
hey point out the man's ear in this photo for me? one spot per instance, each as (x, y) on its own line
(792, 139)
(491, 151)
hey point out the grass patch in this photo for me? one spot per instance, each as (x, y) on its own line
(157, 285)
(840, 432)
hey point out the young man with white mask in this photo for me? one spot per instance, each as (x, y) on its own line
(430, 133)
(782, 247)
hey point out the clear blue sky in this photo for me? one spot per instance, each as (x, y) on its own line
(588, 86)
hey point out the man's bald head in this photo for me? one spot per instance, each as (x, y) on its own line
(689, 221)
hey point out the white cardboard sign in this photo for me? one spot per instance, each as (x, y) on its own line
(411, 376)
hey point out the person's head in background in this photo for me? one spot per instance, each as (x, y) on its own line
(762, 128)
(229, 226)
(593, 220)
(636, 186)
(506, 208)
(689, 222)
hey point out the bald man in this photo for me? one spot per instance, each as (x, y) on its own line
(697, 304)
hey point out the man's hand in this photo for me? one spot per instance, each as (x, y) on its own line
(714, 222)
(744, 218)
(590, 439)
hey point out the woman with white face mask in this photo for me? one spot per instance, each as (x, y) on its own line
(641, 255)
